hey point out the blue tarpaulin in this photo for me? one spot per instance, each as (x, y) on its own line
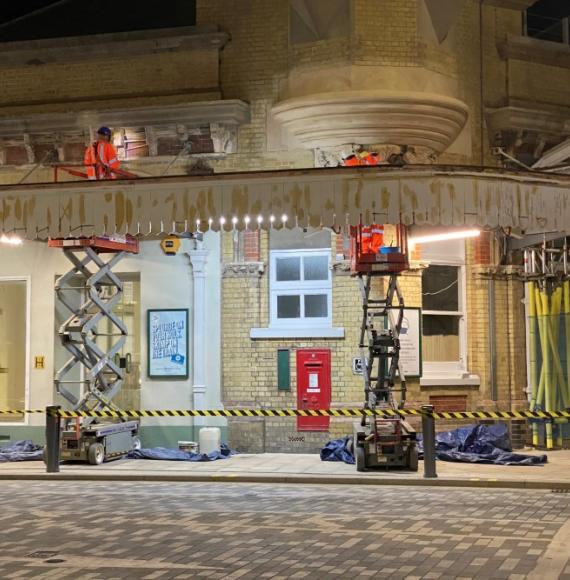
(472, 444)
(480, 444)
(338, 450)
(21, 451)
(163, 453)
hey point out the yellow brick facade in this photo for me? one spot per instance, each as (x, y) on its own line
(250, 365)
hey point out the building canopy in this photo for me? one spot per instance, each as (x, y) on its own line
(525, 202)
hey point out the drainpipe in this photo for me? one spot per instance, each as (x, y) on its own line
(492, 341)
(198, 257)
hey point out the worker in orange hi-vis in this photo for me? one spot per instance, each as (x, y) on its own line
(101, 156)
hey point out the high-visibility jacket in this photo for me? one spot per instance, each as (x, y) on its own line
(100, 159)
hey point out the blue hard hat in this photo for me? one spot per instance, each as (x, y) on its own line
(104, 131)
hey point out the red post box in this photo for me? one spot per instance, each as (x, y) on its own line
(313, 387)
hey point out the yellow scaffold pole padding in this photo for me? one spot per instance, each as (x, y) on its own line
(532, 322)
(567, 333)
(545, 311)
(559, 396)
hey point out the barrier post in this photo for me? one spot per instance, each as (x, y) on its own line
(428, 429)
(53, 434)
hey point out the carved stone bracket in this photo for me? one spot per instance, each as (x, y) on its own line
(243, 269)
(341, 268)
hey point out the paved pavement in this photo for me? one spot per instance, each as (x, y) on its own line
(289, 468)
(121, 530)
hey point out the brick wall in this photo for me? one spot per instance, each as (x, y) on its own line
(250, 366)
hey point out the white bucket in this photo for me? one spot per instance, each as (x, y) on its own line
(210, 439)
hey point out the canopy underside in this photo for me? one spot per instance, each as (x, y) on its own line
(328, 197)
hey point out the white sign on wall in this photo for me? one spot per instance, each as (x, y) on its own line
(410, 346)
(411, 343)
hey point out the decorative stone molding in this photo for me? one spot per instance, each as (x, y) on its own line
(230, 113)
(176, 123)
(510, 4)
(243, 269)
(340, 268)
(529, 117)
(535, 50)
(373, 116)
(333, 157)
(103, 46)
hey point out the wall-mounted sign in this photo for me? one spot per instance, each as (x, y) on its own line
(410, 346)
(39, 362)
(170, 245)
(168, 344)
(411, 343)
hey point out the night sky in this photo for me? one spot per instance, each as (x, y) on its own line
(31, 19)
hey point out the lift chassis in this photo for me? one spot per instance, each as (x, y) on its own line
(382, 441)
(93, 375)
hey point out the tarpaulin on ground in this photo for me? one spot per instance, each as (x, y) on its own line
(480, 444)
(338, 450)
(25, 450)
(163, 453)
(489, 444)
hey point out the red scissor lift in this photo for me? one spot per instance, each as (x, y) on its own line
(381, 250)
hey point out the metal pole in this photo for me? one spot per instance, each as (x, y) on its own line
(53, 421)
(428, 429)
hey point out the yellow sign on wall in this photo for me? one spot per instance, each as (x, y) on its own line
(39, 362)
(170, 245)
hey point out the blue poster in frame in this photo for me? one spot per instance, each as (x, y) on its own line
(168, 343)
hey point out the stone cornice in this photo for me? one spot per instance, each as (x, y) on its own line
(224, 112)
(529, 118)
(103, 46)
(535, 50)
(510, 4)
(243, 269)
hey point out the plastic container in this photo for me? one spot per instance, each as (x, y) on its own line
(210, 439)
(189, 446)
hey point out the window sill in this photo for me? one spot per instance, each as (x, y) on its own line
(465, 380)
(296, 333)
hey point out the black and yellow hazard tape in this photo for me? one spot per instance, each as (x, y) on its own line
(243, 413)
(502, 415)
(20, 411)
(452, 415)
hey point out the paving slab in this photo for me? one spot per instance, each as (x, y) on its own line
(306, 468)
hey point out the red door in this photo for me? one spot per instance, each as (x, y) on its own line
(313, 387)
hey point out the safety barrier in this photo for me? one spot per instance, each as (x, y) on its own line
(355, 412)
(54, 415)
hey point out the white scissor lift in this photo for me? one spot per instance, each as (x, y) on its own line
(101, 370)
(382, 442)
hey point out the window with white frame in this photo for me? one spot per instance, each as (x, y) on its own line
(301, 288)
(443, 309)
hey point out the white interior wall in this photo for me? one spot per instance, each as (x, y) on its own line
(166, 282)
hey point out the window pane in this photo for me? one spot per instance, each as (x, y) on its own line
(288, 269)
(316, 267)
(440, 341)
(128, 310)
(288, 306)
(12, 347)
(440, 288)
(315, 306)
(545, 22)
